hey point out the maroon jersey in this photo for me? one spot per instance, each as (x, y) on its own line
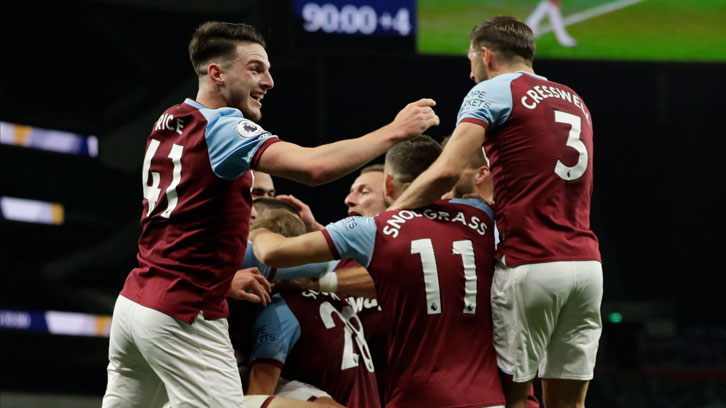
(432, 268)
(539, 140)
(318, 339)
(371, 317)
(196, 209)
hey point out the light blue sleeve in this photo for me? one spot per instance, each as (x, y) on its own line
(232, 141)
(333, 265)
(250, 260)
(275, 331)
(354, 237)
(313, 270)
(488, 102)
(476, 203)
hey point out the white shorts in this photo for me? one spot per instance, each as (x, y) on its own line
(546, 317)
(155, 358)
(299, 390)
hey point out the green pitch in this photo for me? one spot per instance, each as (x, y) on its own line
(693, 30)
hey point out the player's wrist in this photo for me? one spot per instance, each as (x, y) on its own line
(328, 283)
(314, 284)
(392, 134)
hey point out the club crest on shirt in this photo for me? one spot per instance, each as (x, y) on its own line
(249, 129)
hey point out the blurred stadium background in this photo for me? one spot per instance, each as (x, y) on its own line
(82, 82)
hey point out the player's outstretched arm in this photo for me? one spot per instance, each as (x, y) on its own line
(278, 251)
(354, 282)
(438, 179)
(318, 165)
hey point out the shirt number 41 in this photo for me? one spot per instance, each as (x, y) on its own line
(152, 192)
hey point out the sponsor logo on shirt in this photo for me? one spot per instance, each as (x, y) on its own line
(263, 336)
(476, 99)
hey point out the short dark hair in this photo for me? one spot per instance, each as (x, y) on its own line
(215, 39)
(505, 35)
(406, 160)
(372, 168)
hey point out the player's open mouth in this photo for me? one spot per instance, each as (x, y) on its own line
(257, 97)
(353, 213)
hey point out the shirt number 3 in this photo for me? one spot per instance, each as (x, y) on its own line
(573, 140)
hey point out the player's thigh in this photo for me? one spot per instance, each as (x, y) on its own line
(265, 401)
(259, 401)
(298, 390)
(525, 303)
(328, 402)
(131, 381)
(560, 393)
(196, 362)
(573, 347)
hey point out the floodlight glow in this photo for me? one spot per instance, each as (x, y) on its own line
(39, 212)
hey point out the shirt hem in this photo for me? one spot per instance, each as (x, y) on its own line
(270, 361)
(524, 261)
(331, 244)
(476, 121)
(261, 150)
(184, 318)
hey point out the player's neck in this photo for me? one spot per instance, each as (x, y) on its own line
(509, 68)
(209, 97)
(486, 194)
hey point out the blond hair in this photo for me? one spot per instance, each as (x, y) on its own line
(279, 220)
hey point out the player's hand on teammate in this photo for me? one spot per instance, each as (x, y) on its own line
(449, 195)
(306, 215)
(249, 285)
(415, 118)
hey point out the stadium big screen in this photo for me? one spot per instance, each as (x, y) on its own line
(654, 30)
(355, 25)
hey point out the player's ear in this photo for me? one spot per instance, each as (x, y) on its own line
(388, 185)
(487, 56)
(482, 174)
(214, 71)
